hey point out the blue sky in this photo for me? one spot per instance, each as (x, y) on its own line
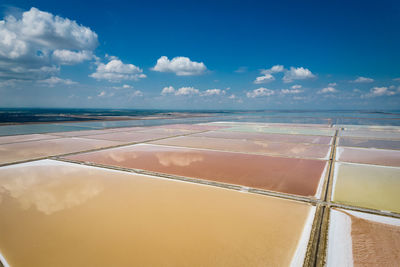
(200, 54)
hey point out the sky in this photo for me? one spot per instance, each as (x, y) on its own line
(245, 55)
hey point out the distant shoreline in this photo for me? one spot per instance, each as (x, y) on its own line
(69, 118)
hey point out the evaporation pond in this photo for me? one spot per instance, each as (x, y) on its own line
(250, 146)
(374, 187)
(42, 148)
(386, 157)
(288, 175)
(54, 212)
(362, 239)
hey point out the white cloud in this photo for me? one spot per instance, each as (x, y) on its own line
(363, 80)
(69, 57)
(125, 86)
(102, 94)
(264, 79)
(332, 84)
(380, 91)
(297, 74)
(8, 83)
(260, 92)
(273, 69)
(328, 89)
(232, 96)
(136, 93)
(52, 81)
(296, 86)
(396, 79)
(115, 71)
(211, 92)
(168, 90)
(289, 75)
(187, 91)
(19, 72)
(181, 66)
(291, 91)
(267, 74)
(28, 44)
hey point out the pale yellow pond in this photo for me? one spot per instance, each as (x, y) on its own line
(375, 187)
(63, 214)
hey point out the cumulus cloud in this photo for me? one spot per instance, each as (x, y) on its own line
(380, 91)
(136, 93)
(183, 91)
(260, 92)
(264, 79)
(363, 80)
(68, 57)
(289, 74)
(187, 91)
(296, 86)
(19, 72)
(211, 92)
(291, 91)
(52, 81)
(274, 69)
(232, 96)
(326, 90)
(125, 86)
(168, 90)
(267, 74)
(297, 74)
(181, 66)
(33, 45)
(115, 71)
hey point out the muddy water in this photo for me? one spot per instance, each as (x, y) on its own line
(250, 146)
(383, 157)
(61, 214)
(43, 148)
(374, 243)
(374, 187)
(288, 138)
(288, 175)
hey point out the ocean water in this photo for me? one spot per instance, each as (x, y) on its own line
(29, 121)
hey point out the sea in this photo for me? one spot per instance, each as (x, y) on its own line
(41, 120)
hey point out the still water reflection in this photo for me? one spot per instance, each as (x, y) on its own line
(62, 214)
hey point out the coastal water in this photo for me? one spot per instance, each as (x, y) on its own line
(29, 121)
